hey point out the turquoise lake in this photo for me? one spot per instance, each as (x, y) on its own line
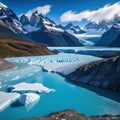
(65, 96)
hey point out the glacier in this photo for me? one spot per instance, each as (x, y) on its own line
(61, 63)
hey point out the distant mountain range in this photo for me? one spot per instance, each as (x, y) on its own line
(93, 28)
(73, 29)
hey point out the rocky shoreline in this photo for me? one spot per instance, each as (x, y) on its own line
(4, 65)
(73, 115)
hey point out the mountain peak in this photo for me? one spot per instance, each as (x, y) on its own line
(73, 29)
(70, 24)
(2, 5)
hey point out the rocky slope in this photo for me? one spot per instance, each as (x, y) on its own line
(43, 30)
(103, 73)
(5, 65)
(73, 115)
(11, 48)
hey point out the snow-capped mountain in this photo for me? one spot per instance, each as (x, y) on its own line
(9, 18)
(109, 37)
(41, 29)
(73, 29)
(34, 21)
(100, 28)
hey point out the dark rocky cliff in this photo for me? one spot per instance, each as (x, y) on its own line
(103, 73)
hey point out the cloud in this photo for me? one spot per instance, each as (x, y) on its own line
(41, 10)
(44, 9)
(108, 13)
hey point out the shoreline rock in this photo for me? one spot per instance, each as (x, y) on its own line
(73, 115)
(4, 65)
(102, 73)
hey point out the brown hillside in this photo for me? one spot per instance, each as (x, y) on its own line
(10, 48)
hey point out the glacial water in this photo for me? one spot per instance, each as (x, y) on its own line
(66, 95)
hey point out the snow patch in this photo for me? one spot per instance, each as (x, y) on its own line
(30, 28)
(53, 28)
(2, 5)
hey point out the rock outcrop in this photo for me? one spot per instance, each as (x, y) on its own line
(5, 65)
(103, 73)
(73, 115)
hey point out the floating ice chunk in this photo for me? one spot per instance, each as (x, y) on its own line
(17, 77)
(7, 98)
(28, 98)
(29, 88)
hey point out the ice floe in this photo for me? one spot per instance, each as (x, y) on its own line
(7, 98)
(29, 88)
(25, 93)
(28, 98)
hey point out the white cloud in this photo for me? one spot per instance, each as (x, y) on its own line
(44, 9)
(107, 13)
(41, 10)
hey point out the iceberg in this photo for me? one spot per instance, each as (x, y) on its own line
(28, 98)
(7, 98)
(29, 88)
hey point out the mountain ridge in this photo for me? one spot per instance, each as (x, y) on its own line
(43, 30)
(73, 29)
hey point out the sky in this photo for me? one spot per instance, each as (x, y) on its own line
(65, 11)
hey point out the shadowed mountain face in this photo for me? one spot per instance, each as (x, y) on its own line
(116, 42)
(104, 74)
(10, 20)
(111, 37)
(54, 38)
